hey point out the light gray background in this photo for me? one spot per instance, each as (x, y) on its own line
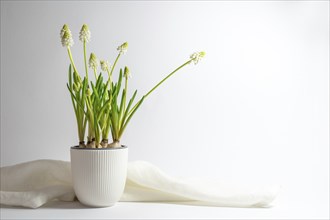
(256, 109)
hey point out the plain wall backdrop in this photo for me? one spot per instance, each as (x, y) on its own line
(256, 109)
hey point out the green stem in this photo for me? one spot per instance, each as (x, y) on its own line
(71, 60)
(158, 84)
(114, 64)
(109, 79)
(95, 74)
(85, 59)
(168, 76)
(126, 85)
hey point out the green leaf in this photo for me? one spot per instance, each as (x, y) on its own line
(102, 109)
(114, 118)
(96, 101)
(70, 76)
(84, 125)
(120, 79)
(122, 104)
(74, 97)
(130, 116)
(89, 108)
(99, 80)
(128, 108)
(105, 89)
(84, 88)
(97, 131)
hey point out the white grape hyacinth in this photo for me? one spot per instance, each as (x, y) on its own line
(197, 56)
(123, 48)
(93, 61)
(85, 34)
(104, 65)
(66, 36)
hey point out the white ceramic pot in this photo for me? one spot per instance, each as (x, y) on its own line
(99, 174)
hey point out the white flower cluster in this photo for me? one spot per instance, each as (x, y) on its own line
(197, 56)
(84, 34)
(123, 48)
(93, 61)
(104, 65)
(66, 36)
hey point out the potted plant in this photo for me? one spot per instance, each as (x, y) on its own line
(101, 107)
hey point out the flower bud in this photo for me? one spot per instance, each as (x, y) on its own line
(64, 29)
(88, 92)
(127, 73)
(196, 57)
(76, 87)
(123, 48)
(93, 61)
(104, 65)
(84, 34)
(66, 36)
(76, 78)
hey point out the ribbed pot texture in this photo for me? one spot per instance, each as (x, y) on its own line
(99, 175)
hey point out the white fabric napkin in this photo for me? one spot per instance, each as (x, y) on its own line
(34, 183)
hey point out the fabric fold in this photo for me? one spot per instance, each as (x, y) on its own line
(32, 184)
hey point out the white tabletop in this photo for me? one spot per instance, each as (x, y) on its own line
(282, 209)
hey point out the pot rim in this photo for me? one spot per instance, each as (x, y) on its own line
(96, 149)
